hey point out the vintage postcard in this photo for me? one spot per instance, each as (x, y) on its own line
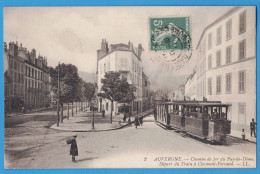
(129, 87)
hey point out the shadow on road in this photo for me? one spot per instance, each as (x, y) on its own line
(86, 159)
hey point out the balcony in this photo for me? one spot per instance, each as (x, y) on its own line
(123, 68)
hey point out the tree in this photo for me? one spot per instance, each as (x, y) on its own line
(114, 88)
(130, 89)
(88, 91)
(69, 84)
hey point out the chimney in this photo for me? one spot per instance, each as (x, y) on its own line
(5, 47)
(13, 48)
(140, 50)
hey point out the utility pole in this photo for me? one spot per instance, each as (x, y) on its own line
(93, 120)
(58, 101)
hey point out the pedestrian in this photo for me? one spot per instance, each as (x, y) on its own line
(129, 122)
(136, 122)
(141, 121)
(253, 127)
(183, 120)
(243, 135)
(73, 147)
(103, 113)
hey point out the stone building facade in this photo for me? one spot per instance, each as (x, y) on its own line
(126, 59)
(26, 78)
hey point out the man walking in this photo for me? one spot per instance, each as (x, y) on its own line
(252, 127)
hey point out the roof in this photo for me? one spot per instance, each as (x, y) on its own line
(233, 10)
(120, 49)
(200, 103)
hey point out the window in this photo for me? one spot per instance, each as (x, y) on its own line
(242, 50)
(241, 81)
(104, 68)
(219, 35)
(133, 64)
(123, 62)
(228, 54)
(22, 68)
(241, 108)
(209, 86)
(107, 106)
(29, 83)
(36, 74)
(209, 41)
(228, 82)
(242, 22)
(218, 63)
(15, 65)
(14, 89)
(218, 86)
(209, 61)
(229, 30)
(29, 71)
(15, 77)
(32, 73)
(242, 113)
(25, 82)
(18, 66)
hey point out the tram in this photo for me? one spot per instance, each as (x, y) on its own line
(202, 119)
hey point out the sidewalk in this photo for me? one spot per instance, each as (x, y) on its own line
(237, 134)
(83, 122)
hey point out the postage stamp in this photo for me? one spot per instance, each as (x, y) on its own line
(170, 33)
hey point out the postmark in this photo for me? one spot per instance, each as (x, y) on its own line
(170, 33)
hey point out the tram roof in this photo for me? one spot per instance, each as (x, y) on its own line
(196, 103)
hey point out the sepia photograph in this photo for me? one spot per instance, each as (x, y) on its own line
(102, 87)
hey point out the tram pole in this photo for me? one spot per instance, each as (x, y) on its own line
(58, 101)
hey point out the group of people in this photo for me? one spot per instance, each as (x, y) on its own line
(137, 121)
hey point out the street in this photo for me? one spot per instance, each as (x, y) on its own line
(33, 144)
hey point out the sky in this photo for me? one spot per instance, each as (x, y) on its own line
(74, 34)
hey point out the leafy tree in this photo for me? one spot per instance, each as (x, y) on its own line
(69, 80)
(129, 94)
(88, 91)
(112, 88)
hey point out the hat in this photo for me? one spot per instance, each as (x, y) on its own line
(74, 135)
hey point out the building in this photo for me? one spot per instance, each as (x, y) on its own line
(179, 93)
(13, 78)
(125, 59)
(26, 78)
(146, 93)
(191, 86)
(226, 64)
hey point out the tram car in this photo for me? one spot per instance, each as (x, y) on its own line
(203, 119)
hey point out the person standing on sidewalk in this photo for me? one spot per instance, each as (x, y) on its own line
(141, 121)
(103, 113)
(136, 122)
(252, 127)
(73, 147)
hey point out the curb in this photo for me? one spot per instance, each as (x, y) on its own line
(29, 112)
(101, 129)
(241, 139)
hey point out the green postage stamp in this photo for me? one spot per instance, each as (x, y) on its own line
(170, 33)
